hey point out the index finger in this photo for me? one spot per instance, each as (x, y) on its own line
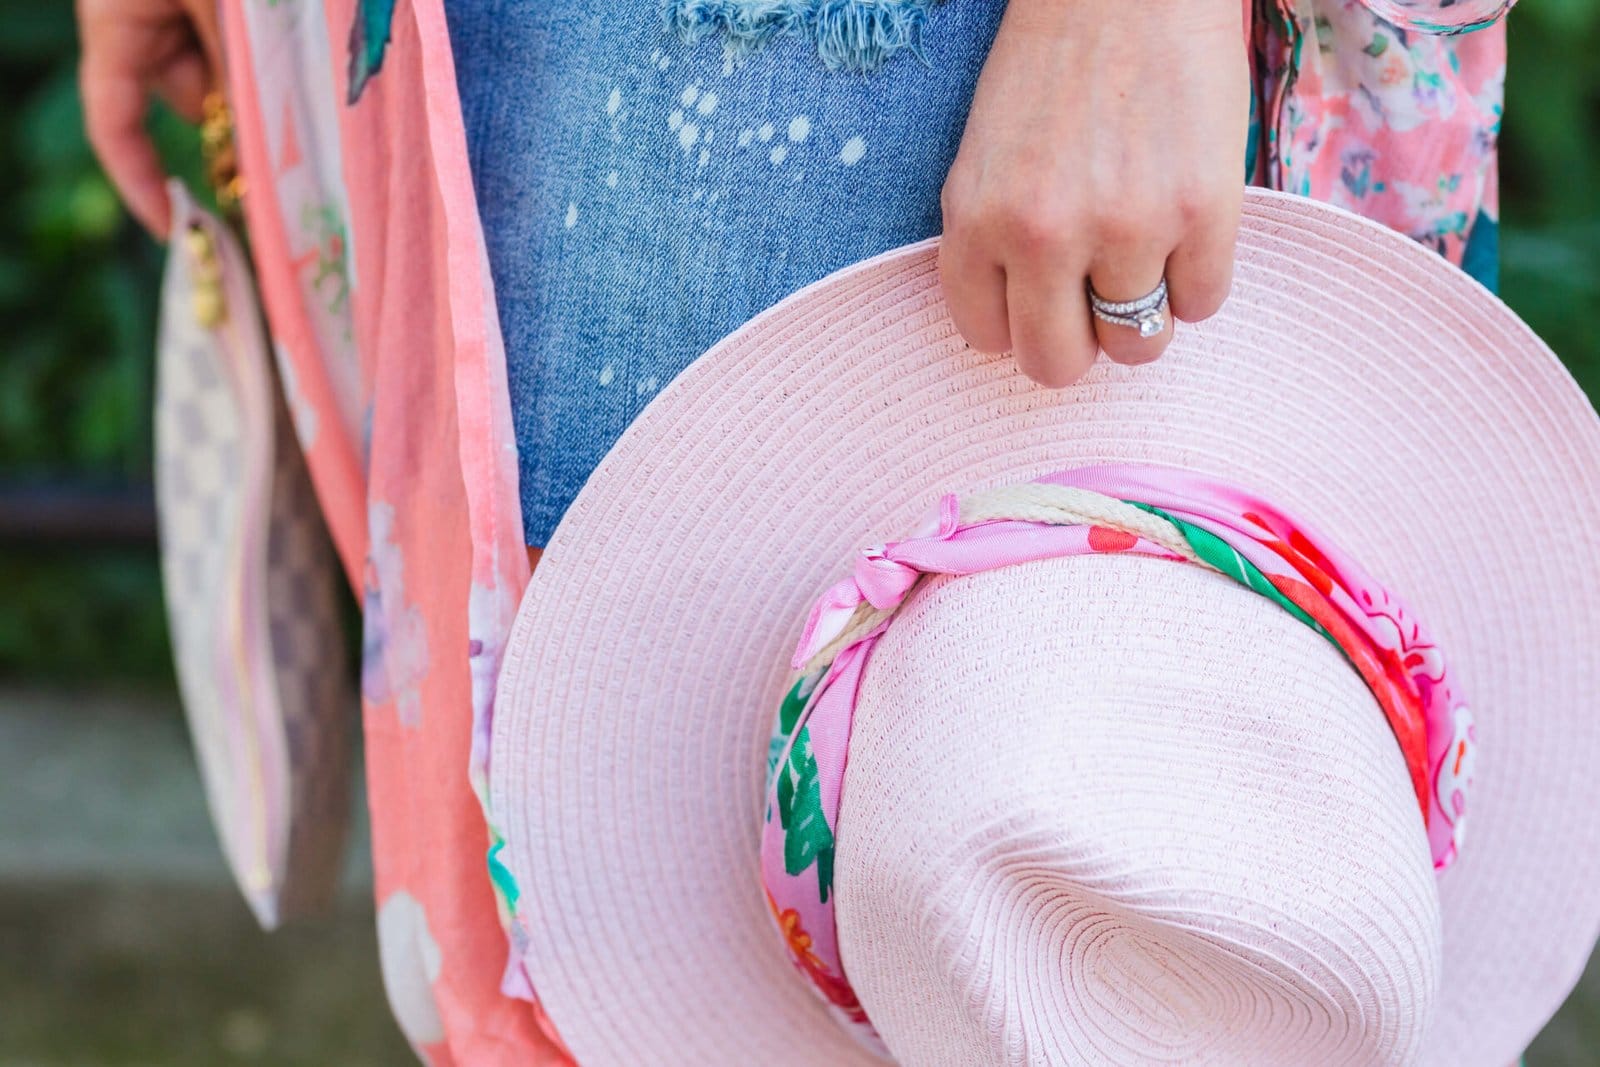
(114, 110)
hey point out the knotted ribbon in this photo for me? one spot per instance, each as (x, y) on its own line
(1164, 513)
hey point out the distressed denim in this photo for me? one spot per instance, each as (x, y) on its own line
(643, 196)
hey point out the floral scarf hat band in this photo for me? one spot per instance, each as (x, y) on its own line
(1168, 514)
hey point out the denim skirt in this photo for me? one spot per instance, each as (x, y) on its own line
(643, 194)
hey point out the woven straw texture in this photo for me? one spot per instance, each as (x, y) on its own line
(1353, 379)
(1150, 842)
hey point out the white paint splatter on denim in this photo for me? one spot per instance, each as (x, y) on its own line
(643, 196)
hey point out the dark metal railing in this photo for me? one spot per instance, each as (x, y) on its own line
(77, 513)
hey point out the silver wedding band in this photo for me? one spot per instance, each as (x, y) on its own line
(1148, 314)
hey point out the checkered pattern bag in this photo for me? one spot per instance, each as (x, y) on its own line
(250, 580)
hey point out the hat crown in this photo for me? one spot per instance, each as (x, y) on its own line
(1106, 803)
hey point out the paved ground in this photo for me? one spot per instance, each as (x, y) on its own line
(122, 944)
(118, 975)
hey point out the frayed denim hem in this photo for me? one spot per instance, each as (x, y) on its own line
(852, 35)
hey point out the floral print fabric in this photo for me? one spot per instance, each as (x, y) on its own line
(1391, 109)
(1201, 521)
(373, 273)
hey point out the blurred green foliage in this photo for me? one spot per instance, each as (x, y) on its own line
(1550, 165)
(78, 285)
(77, 278)
(78, 293)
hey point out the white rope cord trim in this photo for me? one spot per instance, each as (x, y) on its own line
(1060, 505)
(1053, 505)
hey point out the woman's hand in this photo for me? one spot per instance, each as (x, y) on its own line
(131, 50)
(1106, 144)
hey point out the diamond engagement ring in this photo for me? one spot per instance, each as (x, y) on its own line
(1148, 314)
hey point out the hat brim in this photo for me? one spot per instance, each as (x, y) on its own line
(1352, 377)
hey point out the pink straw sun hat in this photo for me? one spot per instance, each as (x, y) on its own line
(1200, 807)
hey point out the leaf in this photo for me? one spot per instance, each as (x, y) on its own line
(794, 702)
(369, 39)
(807, 839)
(501, 875)
(1216, 552)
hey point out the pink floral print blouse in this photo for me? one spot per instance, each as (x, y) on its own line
(1390, 108)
